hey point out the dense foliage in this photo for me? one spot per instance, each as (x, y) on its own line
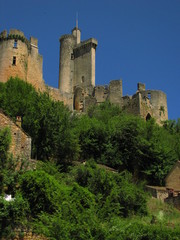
(46, 121)
(65, 199)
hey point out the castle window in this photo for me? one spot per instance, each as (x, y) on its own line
(72, 56)
(149, 95)
(15, 43)
(148, 117)
(82, 79)
(14, 60)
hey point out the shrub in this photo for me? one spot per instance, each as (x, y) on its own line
(13, 215)
(42, 191)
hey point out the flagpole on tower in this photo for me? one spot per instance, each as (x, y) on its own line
(77, 20)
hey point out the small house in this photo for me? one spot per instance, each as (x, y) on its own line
(172, 181)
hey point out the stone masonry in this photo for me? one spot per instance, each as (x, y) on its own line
(20, 57)
(20, 142)
(173, 178)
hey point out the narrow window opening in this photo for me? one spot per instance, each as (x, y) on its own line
(15, 43)
(14, 60)
(72, 56)
(82, 79)
(149, 95)
(148, 117)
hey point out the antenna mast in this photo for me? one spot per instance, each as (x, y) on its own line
(77, 20)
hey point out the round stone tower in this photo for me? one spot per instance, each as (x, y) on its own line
(77, 33)
(66, 63)
(14, 48)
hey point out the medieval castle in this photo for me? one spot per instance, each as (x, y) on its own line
(20, 57)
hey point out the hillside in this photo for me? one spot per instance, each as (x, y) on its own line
(63, 201)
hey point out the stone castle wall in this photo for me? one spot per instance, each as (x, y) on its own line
(20, 141)
(84, 63)
(158, 102)
(35, 66)
(115, 93)
(56, 95)
(20, 57)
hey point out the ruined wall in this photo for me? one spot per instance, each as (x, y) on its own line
(101, 94)
(35, 66)
(79, 98)
(131, 104)
(20, 141)
(115, 92)
(89, 102)
(147, 104)
(158, 102)
(56, 95)
(146, 109)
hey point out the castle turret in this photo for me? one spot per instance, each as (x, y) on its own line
(66, 64)
(77, 62)
(14, 49)
(20, 57)
(76, 32)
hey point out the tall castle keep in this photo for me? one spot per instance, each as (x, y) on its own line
(20, 57)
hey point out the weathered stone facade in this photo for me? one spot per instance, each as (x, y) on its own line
(173, 178)
(20, 142)
(157, 192)
(172, 182)
(171, 192)
(20, 57)
(173, 200)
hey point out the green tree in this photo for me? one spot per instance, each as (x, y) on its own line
(43, 192)
(47, 122)
(13, 215)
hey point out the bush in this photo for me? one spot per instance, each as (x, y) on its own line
(131, 229)
(42, 191)
(112, 189)
(13, 215)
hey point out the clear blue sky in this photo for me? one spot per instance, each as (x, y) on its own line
(138, 40)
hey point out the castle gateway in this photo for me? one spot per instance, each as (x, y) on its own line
(20, 57)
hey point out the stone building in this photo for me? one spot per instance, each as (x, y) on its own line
(20, 142)
(173, 186)
(173, 178)
(20, 57)
(171, 192)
